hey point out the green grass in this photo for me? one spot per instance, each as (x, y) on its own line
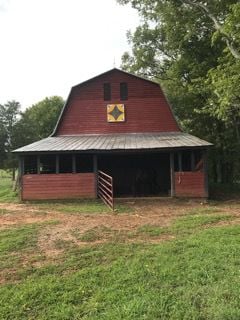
(193, 276)
(152, 230)
(183, 226)
(18, 247)
(80, 206)
(190, 224)
(196, 277)
(94, 234)
(6, 193)
(104, 233)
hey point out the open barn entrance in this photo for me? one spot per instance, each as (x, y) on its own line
(138, 175)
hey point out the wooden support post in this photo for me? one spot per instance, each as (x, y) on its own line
(57, 164)
(38, 165)
(21, 166)
(20, 174)
(172, 174)
(179, 161)
(95, 170)
(205, 170)
(74, 163)
(192, 160)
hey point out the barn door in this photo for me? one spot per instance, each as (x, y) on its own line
(105, 189)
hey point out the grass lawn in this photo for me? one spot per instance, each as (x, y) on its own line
(6, 193)
(86, 206)
(195, 275)
(75, 260)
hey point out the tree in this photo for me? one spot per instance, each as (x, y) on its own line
(3, 139)
(38, 121)
(9, 113)
(192, 48)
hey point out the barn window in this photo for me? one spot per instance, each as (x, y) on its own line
(186, 161)
(183, 161)
(65, 163)
(123, 91)
(107, 91)
(84, 163)
(198, 160)
(176, 162)
(48, 164)
(30, 165)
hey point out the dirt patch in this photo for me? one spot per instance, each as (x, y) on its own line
(63, 230)
(160, 212)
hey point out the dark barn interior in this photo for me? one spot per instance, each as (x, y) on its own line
(138, 175)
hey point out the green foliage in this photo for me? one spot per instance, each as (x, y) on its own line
(21, 128)
(192, 49)
(38, 121)
(9, 114)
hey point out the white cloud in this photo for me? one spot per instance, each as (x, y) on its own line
(3, 5)
(50, 45)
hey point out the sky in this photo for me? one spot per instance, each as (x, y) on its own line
(47, 46)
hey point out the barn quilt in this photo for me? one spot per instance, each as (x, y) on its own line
(115, 113)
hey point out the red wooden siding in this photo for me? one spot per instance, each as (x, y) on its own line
(146, 109)
(190, 184)
(58, 186)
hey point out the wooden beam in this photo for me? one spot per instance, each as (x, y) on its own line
(95, 170)
(205, 170)
(20, 166)
(20, 174)
(172, 174)
(38, 165)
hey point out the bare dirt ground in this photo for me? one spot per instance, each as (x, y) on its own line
(160, 212)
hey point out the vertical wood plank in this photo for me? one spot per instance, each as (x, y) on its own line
(95, 170)
(172, 175)
(20, 166)
(23, 164)
(20, 174)
(38, 165)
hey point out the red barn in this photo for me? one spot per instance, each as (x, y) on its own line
(120, 125)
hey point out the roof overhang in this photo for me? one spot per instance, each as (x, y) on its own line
(108, 143)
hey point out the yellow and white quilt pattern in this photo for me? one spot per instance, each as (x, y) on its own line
(115, 113)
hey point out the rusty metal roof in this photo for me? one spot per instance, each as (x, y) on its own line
(115, 142)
